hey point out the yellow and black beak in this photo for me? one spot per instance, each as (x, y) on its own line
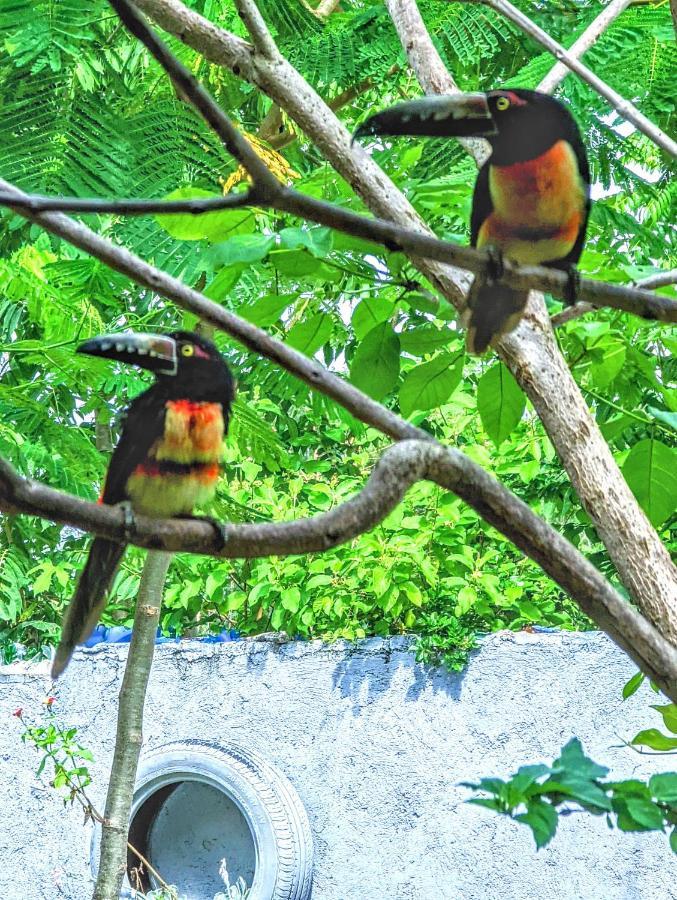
(453, 115)
(155, 352)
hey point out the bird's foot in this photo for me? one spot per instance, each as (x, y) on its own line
(495, 264)
(573, 286)
(128, 522)
(219, 528)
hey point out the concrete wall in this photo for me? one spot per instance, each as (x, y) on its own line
(375, 745)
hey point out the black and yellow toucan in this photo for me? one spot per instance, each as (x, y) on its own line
(167, 460)
(532, 196)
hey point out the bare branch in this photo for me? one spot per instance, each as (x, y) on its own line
(599, 293)
(571, 313)
(622, 106)
(399, 468)
(427, 64)
(659, 280)
(597, 27)
(258, 30)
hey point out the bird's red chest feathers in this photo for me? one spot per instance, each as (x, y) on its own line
(538, 206)
(182, 467)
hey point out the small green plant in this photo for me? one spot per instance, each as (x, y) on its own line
(538, 795)
(60, 749)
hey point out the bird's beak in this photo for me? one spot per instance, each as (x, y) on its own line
(452, 115)
(155, 352)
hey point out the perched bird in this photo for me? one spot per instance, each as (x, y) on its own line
(167, 460)
(532, 195)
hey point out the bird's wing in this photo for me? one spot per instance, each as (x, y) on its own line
(143, 424)
(482, 206)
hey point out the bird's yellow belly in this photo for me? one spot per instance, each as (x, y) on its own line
(538, 207)
(166, 494)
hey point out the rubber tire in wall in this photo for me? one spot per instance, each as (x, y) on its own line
(272, 808)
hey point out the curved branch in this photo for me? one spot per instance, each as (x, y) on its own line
(400, 466)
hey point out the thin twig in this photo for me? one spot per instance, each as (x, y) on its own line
(595, 29)
(660, 279)
(622, 106)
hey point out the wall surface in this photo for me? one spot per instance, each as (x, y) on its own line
(375, 746)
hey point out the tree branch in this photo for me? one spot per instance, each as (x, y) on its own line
(597, 27)
(622, 106)
(129, 737)
(600, 293)
(660, 279)
(432, 74)
(258, 30)
(400, 466)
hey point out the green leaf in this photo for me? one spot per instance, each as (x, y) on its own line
(376, 364)
(213, 226)
(667, 418)
(500, 402)
(291, 599)
(632, 685)
(542, 818)
(370, 312)
(243, 249)
(673, 840)
(664, 787)
(223, 283)
(295, 263)
(609, 359)
(430, 384)
(426, 339)
(318, 241)
(645, 813)
(308, 336)
(650, 469)
(669, 713)
(654, 739)
(573, 760)
(266, 310)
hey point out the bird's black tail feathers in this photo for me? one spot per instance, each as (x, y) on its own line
(495, 309)
(89, 600)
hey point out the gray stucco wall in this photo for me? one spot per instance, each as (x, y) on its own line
(375, 746)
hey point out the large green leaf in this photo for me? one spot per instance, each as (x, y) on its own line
(651, 472)
(311, 334)
(500, 402)
(429, 385)
(213, 226)
(376, 364)
(369, 313)
(426, 339)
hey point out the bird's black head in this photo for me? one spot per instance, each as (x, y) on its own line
(519, 124)
(185, 364)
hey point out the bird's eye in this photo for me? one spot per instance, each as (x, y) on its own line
(502, 103)
(187, 350)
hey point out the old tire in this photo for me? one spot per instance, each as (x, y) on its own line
(190, 793)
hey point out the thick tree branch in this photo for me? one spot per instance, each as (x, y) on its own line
(597, 27)
(600, 293)
(129, 736)
(432, 74)
(622, 106)
(659, 280)
(401, 466)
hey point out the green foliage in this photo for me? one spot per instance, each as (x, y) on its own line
(538, 795)
(86, 112)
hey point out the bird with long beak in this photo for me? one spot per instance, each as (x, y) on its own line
(532, 196)
(167, 460)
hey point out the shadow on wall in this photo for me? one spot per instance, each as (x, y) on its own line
(368, 670)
